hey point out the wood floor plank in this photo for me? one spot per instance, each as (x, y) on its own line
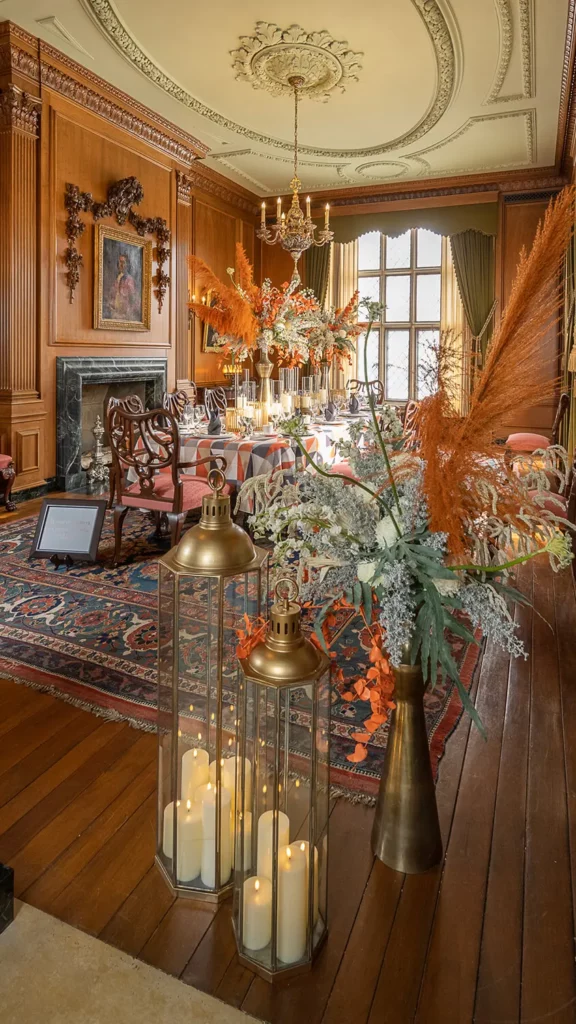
(23, 830)
(565, 604)
(365, 950)
(548, 983)
(214, 954)
(19, 720)
(36, 791)
(178, 934)
(396, 993)
(306, 997)
(20, 775)
(62, 848)
(100, 889)
(140, 914)
(449, 981)
(500, 966)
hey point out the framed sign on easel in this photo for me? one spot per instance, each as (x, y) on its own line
(69, 530)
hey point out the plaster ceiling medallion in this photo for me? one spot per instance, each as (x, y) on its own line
(271, 57)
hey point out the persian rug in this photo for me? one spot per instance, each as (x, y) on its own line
(88, 635)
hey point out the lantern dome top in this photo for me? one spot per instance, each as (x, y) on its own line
(285, 657)
(216, 545)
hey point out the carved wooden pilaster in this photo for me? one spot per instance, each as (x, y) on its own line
(184, 354)
(19, 367)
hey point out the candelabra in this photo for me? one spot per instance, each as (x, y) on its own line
(295, 231)
(98, 471)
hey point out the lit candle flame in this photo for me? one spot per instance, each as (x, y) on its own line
(257, 884)
(188, 805)
(209, 786)
(302, 846)
(195, 752)
(288, 852)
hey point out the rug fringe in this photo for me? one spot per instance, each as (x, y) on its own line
(109, 714)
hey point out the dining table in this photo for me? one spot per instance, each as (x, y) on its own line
(260, 454)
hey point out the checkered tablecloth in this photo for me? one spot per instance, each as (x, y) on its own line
(248, 458)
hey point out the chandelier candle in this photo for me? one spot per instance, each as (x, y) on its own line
(284, 764)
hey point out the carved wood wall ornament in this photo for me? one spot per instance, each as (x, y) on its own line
(19, 111)
(120, 199)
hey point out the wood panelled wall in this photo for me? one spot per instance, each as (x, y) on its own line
(517, 228)
(60, 123)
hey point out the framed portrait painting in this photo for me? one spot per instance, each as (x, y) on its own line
(123, 284)
(210, 341)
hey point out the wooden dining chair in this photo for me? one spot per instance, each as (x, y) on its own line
(189, 388)
(215, 400)
(175, 402)
(148, 472)
(370, 387)
(526, 441)
(130, 403)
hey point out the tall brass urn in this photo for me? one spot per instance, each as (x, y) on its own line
(406, 832)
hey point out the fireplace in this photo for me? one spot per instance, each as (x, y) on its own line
(76, 380)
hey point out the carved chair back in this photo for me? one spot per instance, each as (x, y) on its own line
(215, 400)
(175, 402)
(189, 388)
(370, 387)
(131, 403)
(143, 444)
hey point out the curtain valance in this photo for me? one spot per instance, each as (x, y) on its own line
(445, 220)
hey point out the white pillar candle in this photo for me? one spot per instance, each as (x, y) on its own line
(304, 401)
(168, 829)
(194, 771)
(228, 777)
(305, 847)
(292, 905)
(189, 842)
(286, 401)
(266, 838)
(247, 866)
(208, 867)
(257, 913)
(323, 396)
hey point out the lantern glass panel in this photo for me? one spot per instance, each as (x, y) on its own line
(279, 905)
(198, 694)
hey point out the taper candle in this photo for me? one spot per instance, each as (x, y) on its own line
(278, 209)
(263, 215)
(308, 206)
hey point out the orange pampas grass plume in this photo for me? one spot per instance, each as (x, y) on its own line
(455, 448)
(231, 313)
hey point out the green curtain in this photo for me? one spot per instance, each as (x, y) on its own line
(317, 265)
(473, 256)
(444, 220)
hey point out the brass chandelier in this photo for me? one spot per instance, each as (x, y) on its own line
(295, 231)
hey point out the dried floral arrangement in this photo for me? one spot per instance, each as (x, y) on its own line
(288, 319)
(423, 538)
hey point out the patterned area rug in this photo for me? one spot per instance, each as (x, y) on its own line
(88, 635)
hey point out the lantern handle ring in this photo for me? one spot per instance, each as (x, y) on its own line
(289, 596)
(216, 480)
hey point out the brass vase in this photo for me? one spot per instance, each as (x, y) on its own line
(406, 831)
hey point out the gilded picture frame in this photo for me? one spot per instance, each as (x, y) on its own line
(208, 342)
(123, 280)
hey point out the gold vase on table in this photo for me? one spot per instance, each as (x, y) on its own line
(406, 831)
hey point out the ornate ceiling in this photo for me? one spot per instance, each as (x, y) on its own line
(396, 91)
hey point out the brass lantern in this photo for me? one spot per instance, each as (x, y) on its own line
(206, 584)
(282, 797)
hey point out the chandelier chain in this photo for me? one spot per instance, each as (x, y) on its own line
(296, 97)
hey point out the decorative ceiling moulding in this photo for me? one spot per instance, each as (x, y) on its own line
(506, 182)
(200, 178)
(271, 57)
(529, 117)
(567, 114)
(506, 26)
(116, 31)
(19, 111)
(45, 67)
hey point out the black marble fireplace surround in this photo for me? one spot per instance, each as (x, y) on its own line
(72, 373)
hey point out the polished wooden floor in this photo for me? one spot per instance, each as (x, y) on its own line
(488, 937)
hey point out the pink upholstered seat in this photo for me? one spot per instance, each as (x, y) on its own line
(5, 461)
(342, 468)
(558, 505)
(527, 442)
(193, 487)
